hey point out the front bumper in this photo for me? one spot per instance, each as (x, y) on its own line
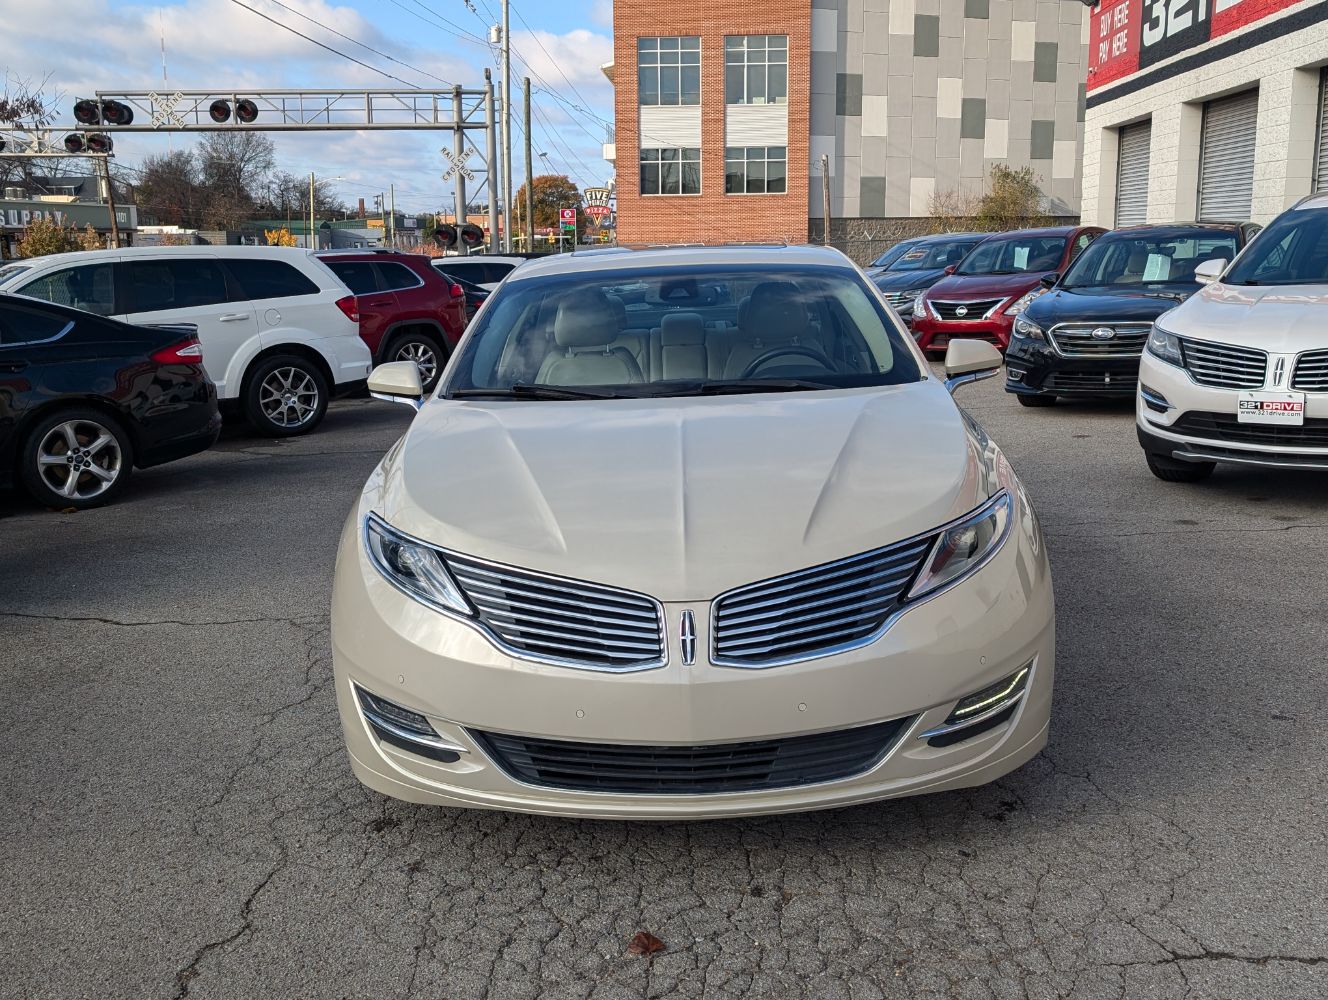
(963, 640)
(1035, 369)
(1178, 418)
(935, 334)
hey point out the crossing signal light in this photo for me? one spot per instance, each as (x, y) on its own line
(445, 235)
(246, 111)
(93, 142)
(471, 235)
(219, 111)
(89, 112)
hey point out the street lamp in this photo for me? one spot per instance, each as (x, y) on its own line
(313, 245)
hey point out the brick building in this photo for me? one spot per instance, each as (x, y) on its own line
(1205, 111)
(724, 109)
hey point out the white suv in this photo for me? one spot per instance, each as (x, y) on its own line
(1238, 372)
(279, 330)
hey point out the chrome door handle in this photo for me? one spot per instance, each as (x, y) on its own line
(233, 317)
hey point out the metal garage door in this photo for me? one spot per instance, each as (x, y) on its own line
(1321, 151)
(1226, 158)
(1132, 174)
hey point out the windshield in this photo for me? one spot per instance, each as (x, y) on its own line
(1015, 255)
(932, 256)
(892, 255)
(682, 331)
(1293, 250)
(1139, 262)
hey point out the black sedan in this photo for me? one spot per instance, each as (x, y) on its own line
(1084, 335)
(84, 400)
(908, 269)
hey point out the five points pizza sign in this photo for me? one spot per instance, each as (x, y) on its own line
(1129, 35)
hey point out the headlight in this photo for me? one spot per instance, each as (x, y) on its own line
(412, 567)
(964, 547)
(1021, 303)
(1028, 329)
(1164, 346)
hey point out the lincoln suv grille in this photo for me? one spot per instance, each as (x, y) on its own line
(685, 770)
(1311, 374)
(1076, 340)
(1223, 365)
(970, 310)
(814, 611)
(564, 620)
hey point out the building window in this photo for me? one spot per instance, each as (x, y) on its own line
(756, 170)
(670, 171)
(756, 69)
(668, 70)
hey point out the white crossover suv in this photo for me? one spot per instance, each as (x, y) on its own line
(680, 559)
(1238, 372)
(279, 330)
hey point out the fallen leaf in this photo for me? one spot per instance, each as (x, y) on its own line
(644, 943)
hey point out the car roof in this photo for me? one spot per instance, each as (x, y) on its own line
(85, 256)
(944, 237)
(367, 255)
(1040, 231)
(628, 258)
(1153, 227)
(491, 257)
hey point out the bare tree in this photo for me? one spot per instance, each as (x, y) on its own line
(24, 105)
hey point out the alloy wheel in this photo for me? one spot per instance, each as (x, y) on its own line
(424, 357)
(79, 459)
(288, 397)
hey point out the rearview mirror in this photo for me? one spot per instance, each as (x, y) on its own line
(397, 382)
(1048, 280)
(970, 361)
(1210, 270)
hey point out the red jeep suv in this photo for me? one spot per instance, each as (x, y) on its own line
(408, 311)
(992, 285)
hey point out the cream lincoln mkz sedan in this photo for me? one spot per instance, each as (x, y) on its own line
(690, 533)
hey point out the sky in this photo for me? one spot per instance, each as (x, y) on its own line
(81, 46)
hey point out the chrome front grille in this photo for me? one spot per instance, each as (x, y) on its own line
(1311, 372)
(897, 299)
(814, 611)
(1076, 340)
(565, 621)
(1224, 365)
(971, 310)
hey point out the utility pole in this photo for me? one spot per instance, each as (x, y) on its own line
(459, 158)
(825, 197)
(507, 130)
(312, 245)
(392, 224)
(491, 148)
(110, 201)
(530, 177)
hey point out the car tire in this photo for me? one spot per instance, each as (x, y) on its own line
(1025, 400)
(425, 349)
(77, 437)
(285, 395)
(1171, 471)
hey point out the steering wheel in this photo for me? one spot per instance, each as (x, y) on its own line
(759, 361)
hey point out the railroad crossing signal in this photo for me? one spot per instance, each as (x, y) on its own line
(456, 165)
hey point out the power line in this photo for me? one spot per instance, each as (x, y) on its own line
(549, 55)
(329, 48)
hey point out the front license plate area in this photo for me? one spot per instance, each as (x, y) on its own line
(1281, 409)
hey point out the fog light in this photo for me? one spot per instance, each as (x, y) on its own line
(1014, 374)
(1154, 400)
(980, 711)
(404, 728)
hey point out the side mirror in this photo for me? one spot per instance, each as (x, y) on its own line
(950, 268)
(397, 382)
(970, 361)
(1210, 270)
(1048, 280)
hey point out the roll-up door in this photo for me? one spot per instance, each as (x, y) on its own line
(1132, 174)
(1321, 150)
(1226, 158)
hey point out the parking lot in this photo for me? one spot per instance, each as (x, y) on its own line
(181, 819)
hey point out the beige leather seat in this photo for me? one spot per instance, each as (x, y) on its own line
(584, 330)
(776, 316)
(681, 350)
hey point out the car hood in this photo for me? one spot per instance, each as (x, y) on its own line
(684, 498)
(1064, 306)
(1282, 319)
(897, 281)
(963, 287)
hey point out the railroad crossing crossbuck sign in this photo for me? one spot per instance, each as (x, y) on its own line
(456, 165)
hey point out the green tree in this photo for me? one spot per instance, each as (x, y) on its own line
(551, 192)
(1013, 200)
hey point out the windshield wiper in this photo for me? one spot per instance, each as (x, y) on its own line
(532, 390)
(719, 387)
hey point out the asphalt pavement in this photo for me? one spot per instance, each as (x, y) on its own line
(180, 820)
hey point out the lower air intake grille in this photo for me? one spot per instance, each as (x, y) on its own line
(1225, 427)
(687, 770)
(1121, 382)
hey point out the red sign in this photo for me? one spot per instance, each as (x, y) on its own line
(1125, 36)
(598, 210)
(567, 216)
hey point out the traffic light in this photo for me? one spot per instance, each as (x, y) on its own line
(89, 112)
(446, 235)
(246, 111)
(471, 236)
(92, 142)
